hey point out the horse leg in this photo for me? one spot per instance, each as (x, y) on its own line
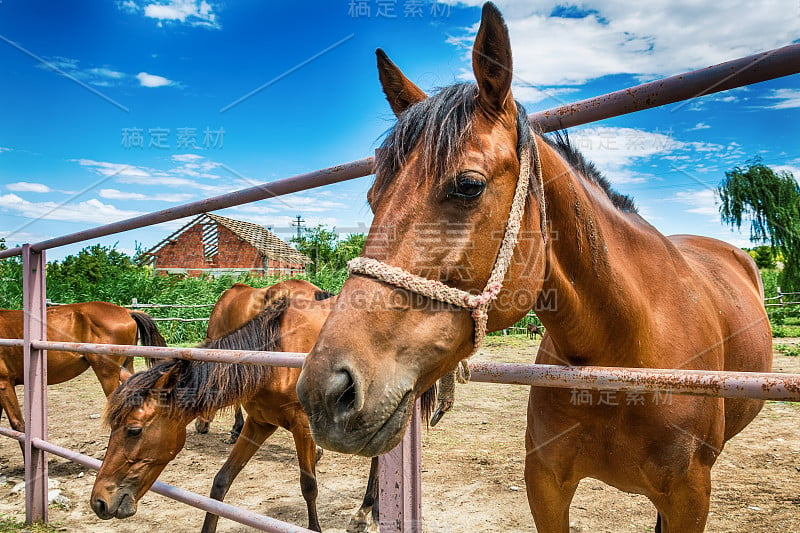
(684, 505)
(307, 459)
(238, 423)
(549, 495)
(358, 523)
(203, 424)
(108, 371)
(10, 404)
(253, 436)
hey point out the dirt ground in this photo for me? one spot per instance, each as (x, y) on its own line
(472, 461)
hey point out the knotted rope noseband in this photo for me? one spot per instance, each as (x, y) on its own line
(436, 290)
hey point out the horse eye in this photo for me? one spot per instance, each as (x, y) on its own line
(133, 431)
(467, 186)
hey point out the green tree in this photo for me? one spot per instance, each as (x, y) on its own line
(319, 244)
(349, 248)
(95, 273)
(764, 257)
(10, 280)
(770, 201)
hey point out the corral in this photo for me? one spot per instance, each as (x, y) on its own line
(472, 469)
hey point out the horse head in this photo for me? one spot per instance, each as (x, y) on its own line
(145, 437)
(446, 177)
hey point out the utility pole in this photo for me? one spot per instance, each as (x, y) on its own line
(298, 223)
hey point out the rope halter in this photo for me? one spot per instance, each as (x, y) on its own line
(436, 290)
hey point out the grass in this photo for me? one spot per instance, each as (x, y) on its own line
(10, 524)
(791, 351)
(786, 330)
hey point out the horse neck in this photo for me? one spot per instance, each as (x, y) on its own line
(592, 289)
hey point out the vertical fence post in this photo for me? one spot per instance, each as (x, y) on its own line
(35, 369)
(400, 482)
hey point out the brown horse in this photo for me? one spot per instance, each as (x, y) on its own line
(95, 322)
(149, 413)
(237, 306)
(609, 288)
(533, 330)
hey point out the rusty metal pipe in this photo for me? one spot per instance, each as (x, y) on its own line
(716, 383)
(11, 342)
(287, 359)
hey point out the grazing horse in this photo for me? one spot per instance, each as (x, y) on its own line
(94, 322)
(610, 289)
(533, 330)
(237, 306)
(148, 413)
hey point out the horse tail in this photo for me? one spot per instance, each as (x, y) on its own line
(322, 295)
(148, 333)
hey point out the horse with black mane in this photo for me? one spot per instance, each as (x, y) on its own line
(609, 288)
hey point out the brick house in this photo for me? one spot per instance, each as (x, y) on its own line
(214, 245)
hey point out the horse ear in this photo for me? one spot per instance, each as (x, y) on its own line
(399, 90)
(491, 60)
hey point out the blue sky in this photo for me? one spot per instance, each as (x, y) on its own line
(114, 109)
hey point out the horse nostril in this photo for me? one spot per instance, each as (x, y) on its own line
(343, 394)
(100, 508)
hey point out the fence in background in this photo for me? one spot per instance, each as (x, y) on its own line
(778, 301)
(400, 487)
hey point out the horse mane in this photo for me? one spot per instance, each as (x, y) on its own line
(196, 388)
(442, 124)
(560, 141)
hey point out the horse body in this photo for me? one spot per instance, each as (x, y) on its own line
(618, 308)
(608, 287)
(92, 322)
(241, 303)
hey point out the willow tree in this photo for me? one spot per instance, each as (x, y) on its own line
(770, 202)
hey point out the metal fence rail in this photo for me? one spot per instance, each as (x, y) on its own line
(752, 69)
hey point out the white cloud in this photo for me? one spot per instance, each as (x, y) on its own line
(114, 194)
(532, 95)
(789, 98)
(700, 202)
(186, 158)
(2, 149)
(175, 177)
(699, 126)
(151, 80)
(647, 39)
(91, 211)
(614, 149)
(107, 73)
(191, 12)
(24, 186)
(98, 76)
(791, 169)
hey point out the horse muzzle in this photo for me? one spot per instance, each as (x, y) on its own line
(347, 417)
(121, 504)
